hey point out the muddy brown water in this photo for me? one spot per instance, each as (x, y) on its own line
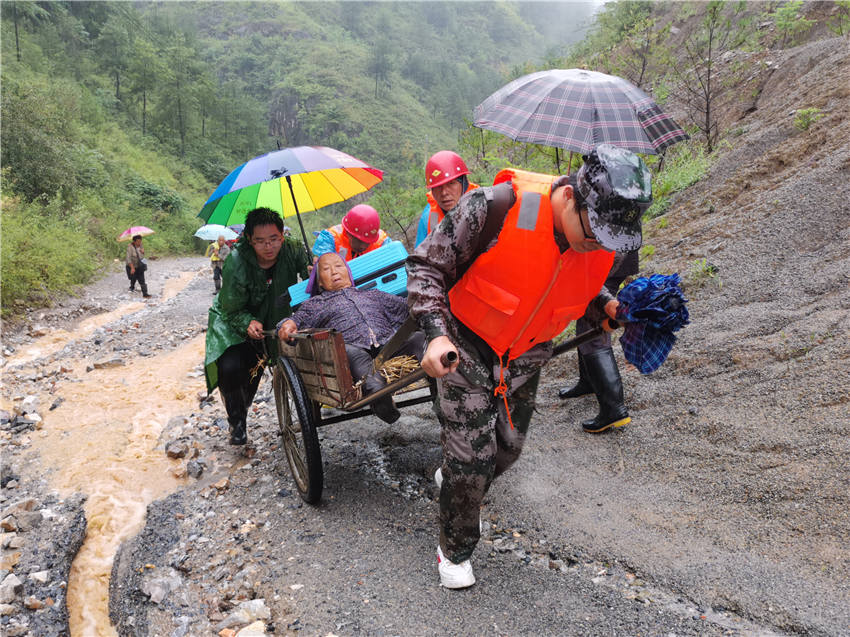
(103, 441)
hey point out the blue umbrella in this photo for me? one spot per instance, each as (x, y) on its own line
(237, 227)
(213, 231)
(651, 310)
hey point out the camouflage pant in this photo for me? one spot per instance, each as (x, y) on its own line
(477, 439)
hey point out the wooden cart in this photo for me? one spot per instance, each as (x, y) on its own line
(312, 373)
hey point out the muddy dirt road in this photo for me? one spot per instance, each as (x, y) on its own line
(705, 516)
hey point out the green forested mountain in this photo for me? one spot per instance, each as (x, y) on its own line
(118, 113)
(121, 113)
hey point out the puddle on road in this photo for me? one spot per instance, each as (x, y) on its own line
(55, 340)
(102, 441)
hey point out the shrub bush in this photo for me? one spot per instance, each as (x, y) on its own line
(41, 254)
(806, 117)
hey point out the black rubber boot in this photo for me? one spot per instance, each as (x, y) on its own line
(238, 433)
(237, 415)
(581, 388)
(604, 376)
(384, 408)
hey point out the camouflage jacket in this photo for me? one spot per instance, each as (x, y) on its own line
(460, 238)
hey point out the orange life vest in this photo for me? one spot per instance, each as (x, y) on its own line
(342, 243)
(436, 214)
(523, 291)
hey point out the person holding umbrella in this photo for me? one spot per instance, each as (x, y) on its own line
(217, 252)
(446, 178)
(360, 232)
(136, 265)
(493, 284)
(254, 297)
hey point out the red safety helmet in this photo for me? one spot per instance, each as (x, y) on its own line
(444, 167)
(363, 222)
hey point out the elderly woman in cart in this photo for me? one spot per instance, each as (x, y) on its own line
(367, 320)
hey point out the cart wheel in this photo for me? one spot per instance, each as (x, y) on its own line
(298, 430)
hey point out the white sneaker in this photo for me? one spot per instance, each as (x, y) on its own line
(454, 575)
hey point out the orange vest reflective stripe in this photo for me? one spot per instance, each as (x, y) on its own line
(342, 243)
(436, 214)
(523, 291)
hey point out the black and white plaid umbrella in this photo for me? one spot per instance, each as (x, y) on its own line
(577, 110)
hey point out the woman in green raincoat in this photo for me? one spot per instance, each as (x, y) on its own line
(254, 296)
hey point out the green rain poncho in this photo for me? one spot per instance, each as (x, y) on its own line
(246, 295)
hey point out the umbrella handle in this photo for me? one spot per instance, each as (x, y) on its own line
(584, 337)
(300, 225)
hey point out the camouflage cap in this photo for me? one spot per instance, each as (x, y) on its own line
(617, 187)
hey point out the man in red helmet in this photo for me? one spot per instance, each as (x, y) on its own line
(446, 177)
(360, 232)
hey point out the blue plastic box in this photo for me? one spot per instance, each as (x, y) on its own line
(382, 269)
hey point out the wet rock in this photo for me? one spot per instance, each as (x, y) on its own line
(7, 476)
(158, 586)
(221, 423)
(33, 603)
(21, 521)
(176, 449)
(37, 331)
(59, 400)
(10, 588)
(247, 612)
(222, 484)
(115, 361)
(256, 629)
(40, 576)
(29, 404)
(195, 468)
(16, 629)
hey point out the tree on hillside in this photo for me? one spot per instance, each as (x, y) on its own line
(23, 12)
(41, 138)
(381, 51)
(206, 95)
(176, 102)
(612, 24)
(640, 53)
(114, 47)
(144, 69)
(380, 63)
(722, 28)
(789, 22)
(293, 103)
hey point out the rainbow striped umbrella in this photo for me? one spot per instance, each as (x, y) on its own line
(290, 181)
